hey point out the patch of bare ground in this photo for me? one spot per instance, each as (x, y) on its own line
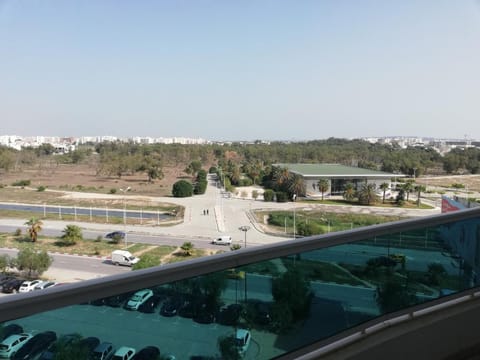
(83, 177)
(471, 182)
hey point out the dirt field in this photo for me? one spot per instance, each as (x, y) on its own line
(84, 178)
(471, 182)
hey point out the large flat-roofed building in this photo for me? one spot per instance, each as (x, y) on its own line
(338, 176)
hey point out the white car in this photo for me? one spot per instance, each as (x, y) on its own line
(44, 285)
(13, 343)
(222, 240)
(242, 340)
(124, 353)
(29, 285)
(138, 299)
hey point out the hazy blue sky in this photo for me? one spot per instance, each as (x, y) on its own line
(240, 70)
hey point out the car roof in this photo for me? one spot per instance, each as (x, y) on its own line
(123, 350)
(241, 333)
(14, 337)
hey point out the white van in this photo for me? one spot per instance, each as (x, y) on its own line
(123, 257)
(222, 240)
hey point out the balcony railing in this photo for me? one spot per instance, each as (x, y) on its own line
(276, 301)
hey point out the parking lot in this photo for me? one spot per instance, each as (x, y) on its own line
(181, 337)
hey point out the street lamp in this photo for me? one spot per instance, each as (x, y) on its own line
(294, 198)
(245, 228)
(125, 212)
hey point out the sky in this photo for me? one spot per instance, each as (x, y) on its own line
(240, 70)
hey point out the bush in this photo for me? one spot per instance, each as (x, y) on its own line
(281, 196)
(41, 188)
(113, 191)
(21, 183)
(200, 187)
(245, 182)
(457, 186)
(268, 195)
(18, 232)
(201, 175)
(254, 194)
(182, 188)
(212, 170)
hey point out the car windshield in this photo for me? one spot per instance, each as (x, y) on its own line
(136, 298)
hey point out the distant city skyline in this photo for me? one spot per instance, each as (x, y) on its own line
(240, 71)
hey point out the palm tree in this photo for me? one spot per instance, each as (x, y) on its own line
(281, 175)
(35, 226)
(349, 192)
(384, 187)
(419, 188)
(323, 186)
(367, 194)
(296, 185)
(187, 248)
(408, 187)
(71, 234)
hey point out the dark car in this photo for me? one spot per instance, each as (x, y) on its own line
(150, 306)
(117, 300)
(12, 285)
(230, 314)
(170, 307)
(89, 343)
(147, 353)
(187, 309)
(10, 329)
(205, 313)
(61, 342)
(35, 345)
(116, 235)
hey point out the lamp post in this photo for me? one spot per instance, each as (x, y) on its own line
(245, 228)
(125, 213)
(294, 198)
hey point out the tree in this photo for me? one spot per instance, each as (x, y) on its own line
(419, 188)
(323, 186)
(367, 194)
(228, 348)
(408, 187)
(5, 262)
(296, 185)
(349, 192)
(72, 234)
(187, 248)
(193, 167)
(35, 226)
(394, 294)
(32, 261)
(384, 187)
(182, 188)
(293, 290)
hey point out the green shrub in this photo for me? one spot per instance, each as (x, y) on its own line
(21, 183)
(281, 196)
(201, 175)
(457, 186)
(113, 191)
(41, 188)
(18, 232)
(212, 170)
(245, 182)
(200, 187)
(182, 188)
(268, 195)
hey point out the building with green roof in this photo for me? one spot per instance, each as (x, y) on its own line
(338, 176)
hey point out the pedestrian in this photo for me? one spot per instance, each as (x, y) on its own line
(207, 211)
(203, 211)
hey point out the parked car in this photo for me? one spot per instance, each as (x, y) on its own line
(147, 353)
(115, 235)
(62, 341)
(34, 346)
(13, 343)
(10, 329)
(170, 307)
(151, 305)
(124, 353)
(230, 314)
(5, 279)
(242, 341)
(117, 300)
(27, 286)
(104, 351)
(89, 343)
(138, 299)
(45, 285)
(12, 286)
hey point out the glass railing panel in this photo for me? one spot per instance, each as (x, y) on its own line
(266, 309)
